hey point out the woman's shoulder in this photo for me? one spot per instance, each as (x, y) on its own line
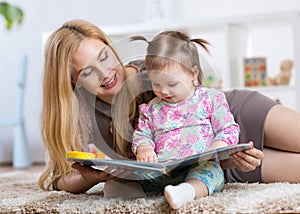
(135, 66)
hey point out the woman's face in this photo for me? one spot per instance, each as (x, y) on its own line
(97, 69)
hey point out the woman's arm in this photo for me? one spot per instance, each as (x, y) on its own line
(245, 161)
(85, 179)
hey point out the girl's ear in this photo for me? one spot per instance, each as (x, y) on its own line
(195, 71)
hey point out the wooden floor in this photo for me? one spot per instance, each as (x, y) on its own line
(34, 168)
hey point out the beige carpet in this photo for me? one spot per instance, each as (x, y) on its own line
(20, 194)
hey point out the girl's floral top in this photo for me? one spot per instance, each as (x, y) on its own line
(178, 130)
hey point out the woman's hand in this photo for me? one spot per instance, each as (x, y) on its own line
(245, 161)
(88, 177)
(90, 174)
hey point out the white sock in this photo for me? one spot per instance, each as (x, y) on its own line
(180, 194)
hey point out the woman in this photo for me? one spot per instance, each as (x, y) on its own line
(75, 51)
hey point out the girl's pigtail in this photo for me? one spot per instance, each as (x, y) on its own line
(203, 43)
(135, 38)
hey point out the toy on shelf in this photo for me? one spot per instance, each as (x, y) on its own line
(212, 81)
(284, 76)
(255, 71)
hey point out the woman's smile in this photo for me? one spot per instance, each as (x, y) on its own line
(111, 83)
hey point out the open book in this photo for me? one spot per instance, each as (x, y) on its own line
(150, 170)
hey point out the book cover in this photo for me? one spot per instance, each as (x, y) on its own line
(145, 170)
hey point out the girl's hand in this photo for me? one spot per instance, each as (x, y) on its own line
(145, 153)
(245, 161)
(217, 144)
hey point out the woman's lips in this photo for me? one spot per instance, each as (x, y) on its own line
(110, 83)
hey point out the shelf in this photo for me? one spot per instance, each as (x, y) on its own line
(121, 30)
(286, 95)
(272, 88)
(232, 39)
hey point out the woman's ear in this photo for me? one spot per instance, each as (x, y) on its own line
(74, 83)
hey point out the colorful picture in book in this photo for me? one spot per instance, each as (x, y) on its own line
(255, 71)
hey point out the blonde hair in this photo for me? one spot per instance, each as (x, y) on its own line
(61, 125)
(170, 47)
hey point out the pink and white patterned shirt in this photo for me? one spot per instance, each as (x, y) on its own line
(178, 130)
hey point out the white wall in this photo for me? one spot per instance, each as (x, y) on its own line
(195, 9)
(43, 16)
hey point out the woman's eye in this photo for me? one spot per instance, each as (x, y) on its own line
(87, 73)
(103, 57)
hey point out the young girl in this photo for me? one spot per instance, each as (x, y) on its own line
(185, 118)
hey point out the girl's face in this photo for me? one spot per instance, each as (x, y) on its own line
(173, 84)
(97, 69)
